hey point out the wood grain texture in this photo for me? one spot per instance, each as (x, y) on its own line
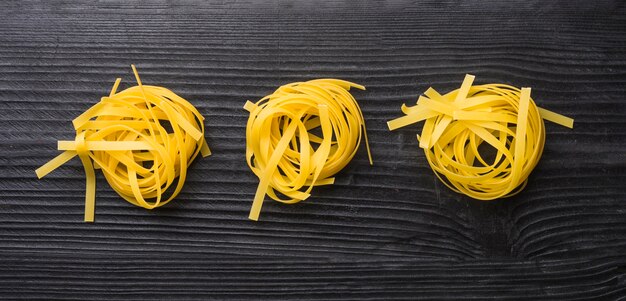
(386, 232)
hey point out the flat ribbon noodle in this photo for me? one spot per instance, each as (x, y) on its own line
(457, 123)
(143, 139)
(282, 147)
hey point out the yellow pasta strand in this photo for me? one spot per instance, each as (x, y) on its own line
(457, 123)
(143, 139)
(283, 148)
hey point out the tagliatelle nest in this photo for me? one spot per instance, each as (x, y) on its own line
(284, 151)
(143, 139)
(457, 123)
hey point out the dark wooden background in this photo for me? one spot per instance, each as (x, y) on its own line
(388, 232)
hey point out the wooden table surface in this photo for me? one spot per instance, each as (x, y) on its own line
(389, 231)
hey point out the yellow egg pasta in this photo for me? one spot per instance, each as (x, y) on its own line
(283, 148)
(143, 139)
(457, 123)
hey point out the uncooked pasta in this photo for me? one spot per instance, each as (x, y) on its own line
(300, 136)
(457, 123)
(143, 139)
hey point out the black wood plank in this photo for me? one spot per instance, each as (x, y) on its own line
(389, 231)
